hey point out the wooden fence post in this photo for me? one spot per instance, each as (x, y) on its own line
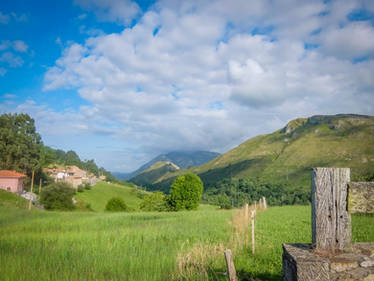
(253, 213)
(264, 202)
(331, 223)
(246, 211)
(32, 185)
(230, 266)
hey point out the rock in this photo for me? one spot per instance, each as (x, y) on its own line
(341, 264)
(370, 277)
(367, 263)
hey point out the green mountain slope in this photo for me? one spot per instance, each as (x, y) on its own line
(154, 173)
(100, 193)
(287, 155)
(182, 159)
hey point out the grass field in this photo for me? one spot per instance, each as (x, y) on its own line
(41, 245)
(99, 195)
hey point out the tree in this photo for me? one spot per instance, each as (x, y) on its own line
(20, 144)
(57, 196)
(116, 204)
(154, 202)
(185, 192)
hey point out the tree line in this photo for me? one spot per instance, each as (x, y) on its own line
(22, 150)
(230, 193)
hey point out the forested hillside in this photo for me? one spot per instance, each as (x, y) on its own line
(278, 165)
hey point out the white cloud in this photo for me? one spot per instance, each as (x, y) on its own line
(4, 19)
(354, 40)
(17, 45)
(20, 46)
(2, 71)
(121, 11)
(192, 75)
(11, 59)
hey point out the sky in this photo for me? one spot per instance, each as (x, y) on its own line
(121, 81)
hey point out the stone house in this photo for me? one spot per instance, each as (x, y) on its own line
(12, 181)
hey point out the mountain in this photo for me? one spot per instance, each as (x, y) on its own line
(182, 159)
(122, 176)
(286, 156)
(153, 173)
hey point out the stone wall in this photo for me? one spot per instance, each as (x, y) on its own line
(361, 197)
(300, 262)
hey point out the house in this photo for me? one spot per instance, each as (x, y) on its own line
(11, 181)
(72, 175)
(75, 171)
(74, 181)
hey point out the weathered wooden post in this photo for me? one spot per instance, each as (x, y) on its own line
(264, 202)
(331, 223)
(32, 185)
(332, 256)
(230, 266)
(253, 214)
(246, 211)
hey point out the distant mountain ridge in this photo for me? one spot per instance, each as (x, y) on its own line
(153, 173)
(183, 159)
(287, 155)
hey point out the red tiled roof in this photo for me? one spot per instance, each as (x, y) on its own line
(11, 174)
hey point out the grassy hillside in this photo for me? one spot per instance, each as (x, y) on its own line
(99, 195)
(8, 199)
(155, 172)
(149, 246)
(287, 155)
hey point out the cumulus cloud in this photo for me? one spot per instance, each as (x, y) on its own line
(121, 11)
(5, 19)
(17, 45)
(11, 59)
(210, 74)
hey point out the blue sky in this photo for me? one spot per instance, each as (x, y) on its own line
(121, 81)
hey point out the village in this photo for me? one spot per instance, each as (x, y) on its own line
(13, 181)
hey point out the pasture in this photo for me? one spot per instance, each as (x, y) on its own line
(40, 245)
(99, 194)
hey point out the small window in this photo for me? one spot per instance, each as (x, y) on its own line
(8, 188)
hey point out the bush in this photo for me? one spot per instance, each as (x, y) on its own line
(57, 196)
(154, 202)
(185, 192)
(87, 186)
(224, 201)
(80, 188)
(116, 204)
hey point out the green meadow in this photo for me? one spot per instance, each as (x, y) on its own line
(41, 245)
(99, 194)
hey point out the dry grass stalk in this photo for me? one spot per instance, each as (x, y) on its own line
(196, 262)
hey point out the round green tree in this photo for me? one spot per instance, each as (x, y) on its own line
(186, 192)
(57, 196)
(154, 202)
(116, 204)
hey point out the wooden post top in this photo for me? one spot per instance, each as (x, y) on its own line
(331, 223)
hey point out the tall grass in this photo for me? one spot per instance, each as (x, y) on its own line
(97, 246)
(99, 194)
(40, 245)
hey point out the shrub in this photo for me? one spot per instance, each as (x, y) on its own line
(224, 201)
(154, 202)
(87, 186)
(116, 204)
(185, 192)
(57, 196)
(80, 188)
